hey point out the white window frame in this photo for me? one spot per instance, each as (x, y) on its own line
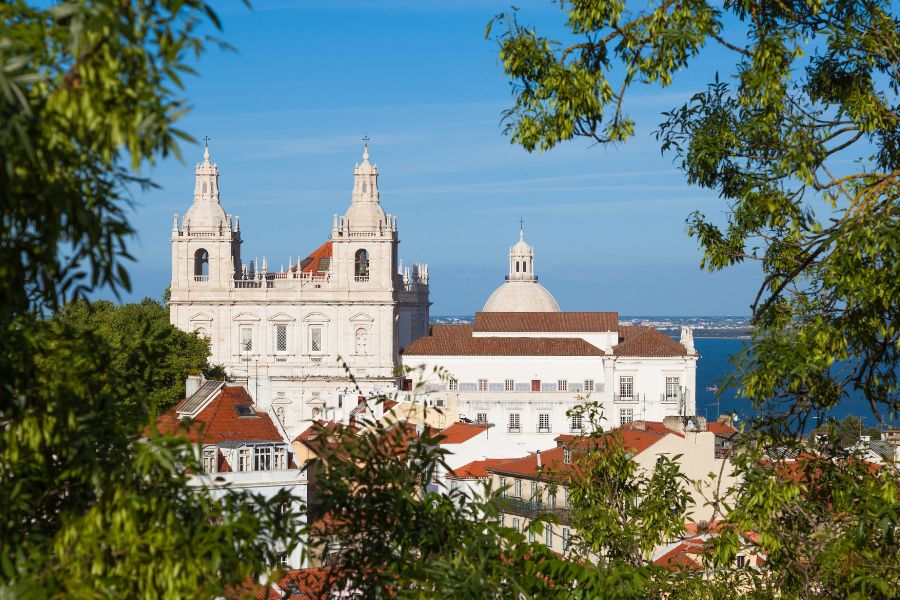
(515, 524)
(562, 385)
(514, 422)
(626, 382)
(263, 457)
(210, 460)
(589, 385)
(548, 535)
(245, 458)
(509, 385)
(452, 385)
(517, 486)
(626, 415)
(544, 423)
(565, 538)
(481, 418)
(504, 491)
(673, 388)
(245, 339)
(576, 422)
(483, 385)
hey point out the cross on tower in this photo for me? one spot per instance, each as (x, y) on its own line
(206, 140)
(366, 140)
(521, 223)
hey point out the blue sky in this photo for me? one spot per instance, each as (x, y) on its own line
(286, 113)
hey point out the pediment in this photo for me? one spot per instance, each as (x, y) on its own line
(201, 316)
(281, 317)
(245, 316)
(361, 318)
(316, 317)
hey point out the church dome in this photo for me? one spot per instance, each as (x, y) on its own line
(521, 296)
(521, 292)
(365, 212)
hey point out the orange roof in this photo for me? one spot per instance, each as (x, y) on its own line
(683, 556)
(720, 428)
(220, 421)
(317, 262)
(476, 469)
(546, 322)
(448, 330)
(295, 583)
(460, 432)
(646, 341)
(551, 461)
(652, 426)
(500, 346)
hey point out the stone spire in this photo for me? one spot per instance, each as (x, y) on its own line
(521, 259)
(206, 212)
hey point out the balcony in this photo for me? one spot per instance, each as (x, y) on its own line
(360, 278)
(514, 429)
(544, 429)
(629, 399)
(530, 508)
(201, 277)
(576, 429)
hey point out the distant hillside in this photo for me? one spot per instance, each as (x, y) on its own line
(717, 327)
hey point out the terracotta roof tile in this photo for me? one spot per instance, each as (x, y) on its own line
(720, 428)
(220, 421)
(447, 330)
(546, 322)
(460, 432)
(317, 262)
(684, 556)
(476, 469)
(295, 583)
(646, 341)
(500, 346)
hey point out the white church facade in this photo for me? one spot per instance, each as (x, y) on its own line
(312, 341)
(294, 336)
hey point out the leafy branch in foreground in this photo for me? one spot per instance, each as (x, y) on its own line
(801, 140)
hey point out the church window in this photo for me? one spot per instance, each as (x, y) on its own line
(281, 338)
(201, 265)
(589, 385)
(362, 341)
(315, 339)
(452, 385)
(626, 387)
(246, 339)
(482, 385)
(626, 415)
(209, 460)
(673, 388)
(544, 423)
(361, 265)
(562, 385)
(514, 423)
(509, 385)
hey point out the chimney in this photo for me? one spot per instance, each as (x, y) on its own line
(192, 384)
(538, 455)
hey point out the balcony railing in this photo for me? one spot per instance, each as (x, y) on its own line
(360, 278)
(201, 277)
(543, 429)
(576, 429)
(514, 429)
(530, 508)
(633, 398)
(670, 398)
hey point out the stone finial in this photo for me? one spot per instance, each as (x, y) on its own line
(687, 339)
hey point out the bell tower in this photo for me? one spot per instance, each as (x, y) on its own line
(206, 247)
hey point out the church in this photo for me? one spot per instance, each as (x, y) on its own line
(310, 340)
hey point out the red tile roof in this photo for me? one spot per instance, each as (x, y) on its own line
(500, 346)
(295, 583)
(720, 428)
(477, 469)
(461, 432)
(220, 422)
(314, 262)
(646, 341)
(637, 440)
(651, 426)
(546, 322)
(447, 330)
(683, 556)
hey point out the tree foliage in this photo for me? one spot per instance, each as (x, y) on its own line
(89, 92)
(144, 345)
(799, 139)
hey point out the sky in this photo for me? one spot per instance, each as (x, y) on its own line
(286, 112)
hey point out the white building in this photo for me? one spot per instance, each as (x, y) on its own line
(289, 334)
(523, 364)
(240, 449)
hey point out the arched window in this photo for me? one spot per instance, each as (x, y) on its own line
(361, 266)
(201, 265)
(517, 266)
(362, 341)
